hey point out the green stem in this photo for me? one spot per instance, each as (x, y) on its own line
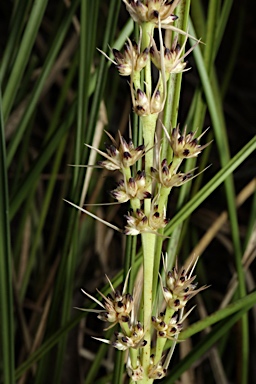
(160, 342)
(147, 32)
(148, 128)
(148, 244)
(6, 294)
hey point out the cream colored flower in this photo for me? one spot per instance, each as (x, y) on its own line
(172, 328)
(131, 60)
(119, 157)
(137, 373)
(185, 145)
(138, 222)
(144, 104)
(180, 286)
(116, 306)
(135, 187)
(167, 178)
(152, 11)
(156, 370)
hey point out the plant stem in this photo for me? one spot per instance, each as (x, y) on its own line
(148, 127)
(148, 244)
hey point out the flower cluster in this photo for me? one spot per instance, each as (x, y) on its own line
(185, 145)
(131, 60)
(180, 286)
(135, 373)
(138, 222)
(167, 330)
(120, 156)
(152, 11)
(135, 340)
(144, 105)
(134, 188)
(156, 370)
(166, 176)
(173, 58)
(118, 308)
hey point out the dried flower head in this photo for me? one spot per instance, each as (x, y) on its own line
(180, 286)
(144, 104)
(138, 222)
(172, 328)
(122, 156)
(173, 59)
(156, 371)
(152, 11)
(185, 145)
(117, 306)
(131, 60)
(134, 340)
(167, 178)
(135, 374)
(135, 187)
(141, 103)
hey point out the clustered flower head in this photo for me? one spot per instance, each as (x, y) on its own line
(166, 176)
(131, 60)
(156, 370)
(173, 58)
(180, 287)
(135, 340)
(185, 145)
(119, 157)
(152, 11)
(138, 222)
(135, 373)
(144, 105)
(134, 188)
(170, 328)
(116, 306)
